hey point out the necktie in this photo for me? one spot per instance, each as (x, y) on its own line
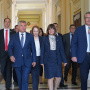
(22, 40)
(88, 30)
(89, 36)
(72, 37)
(6, 40)
(71, 41)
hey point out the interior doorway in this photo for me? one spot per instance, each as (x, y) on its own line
(59, 23)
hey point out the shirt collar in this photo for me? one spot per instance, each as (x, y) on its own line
(51, 36)
(70, 33)
(21, 33)
(86, 27)
(6, 29)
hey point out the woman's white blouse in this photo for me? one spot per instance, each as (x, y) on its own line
(52, 40)
(37, 45)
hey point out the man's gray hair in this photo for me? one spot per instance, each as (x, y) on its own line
(85, 14)
(22, 22)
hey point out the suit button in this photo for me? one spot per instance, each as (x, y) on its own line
(22, 55)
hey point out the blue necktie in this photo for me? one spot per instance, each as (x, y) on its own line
(22, 40)
(89, 39)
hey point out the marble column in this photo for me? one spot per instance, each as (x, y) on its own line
(1, 14)
(63, 17)
(43, 19)
(47, 14)
(50, 12)
(13, 14)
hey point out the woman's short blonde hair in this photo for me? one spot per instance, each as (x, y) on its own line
(35, 27)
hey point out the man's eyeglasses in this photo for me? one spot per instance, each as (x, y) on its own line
(87, 17)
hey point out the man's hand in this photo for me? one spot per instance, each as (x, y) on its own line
(12, 58)
(42, 64)
(74, 59)
(33, 64)
(65, 64)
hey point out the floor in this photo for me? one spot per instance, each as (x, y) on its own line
(44, 85)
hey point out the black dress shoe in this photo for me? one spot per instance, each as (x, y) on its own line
(7, 88)
(74, 83)
(65, 79)
(15, 83)
(62, 85)
(41, 82)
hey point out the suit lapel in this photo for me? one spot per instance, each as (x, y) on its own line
(18, 39)
(26, 40)
(68, 38)
(48, 43)
(40, 40)
(3, 36)
(84, 33)
(57, 42)
(10, 33)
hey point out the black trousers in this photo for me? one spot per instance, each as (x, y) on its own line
(41, 70)
(74, 69)
(14, 76)
(35, 71)
(6, 70)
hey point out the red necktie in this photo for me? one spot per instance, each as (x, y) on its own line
(6, 40)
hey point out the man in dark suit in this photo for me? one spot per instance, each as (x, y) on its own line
(67, 38)
(22, 54)
(6, 69)
(59, 34)
(15, 82)
(80, 49)
(16, 28)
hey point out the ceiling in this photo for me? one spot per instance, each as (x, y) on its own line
(30, 10)
(30, 1)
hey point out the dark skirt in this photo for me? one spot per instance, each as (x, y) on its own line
(51, 68)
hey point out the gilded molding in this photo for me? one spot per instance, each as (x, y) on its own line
(77, 7)
(77, 11)
(75, 1)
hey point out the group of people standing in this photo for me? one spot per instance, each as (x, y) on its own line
(27, 53)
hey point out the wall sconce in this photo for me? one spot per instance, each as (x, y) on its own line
(28, 23)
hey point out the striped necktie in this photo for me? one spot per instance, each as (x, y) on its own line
(22, 38)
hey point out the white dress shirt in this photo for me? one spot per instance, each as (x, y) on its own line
(37, 45)
(52, 40)
(8, 34)
(24, 36)
(57, 33)
(87, 36)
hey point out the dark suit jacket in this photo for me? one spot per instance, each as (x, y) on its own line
(40, 40)
(66, 44)
(60, 34)
(45, 48)
(3, 53)
(79, 44)
(28, 51)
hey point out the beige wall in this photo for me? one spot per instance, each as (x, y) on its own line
(66, 9)
(5, 10)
